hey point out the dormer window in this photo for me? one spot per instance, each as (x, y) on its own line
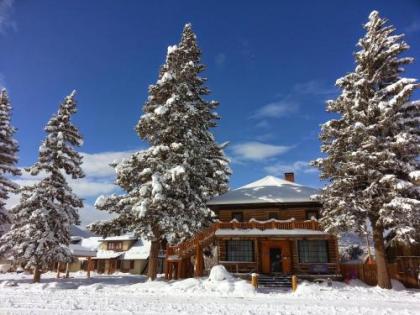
(114, 246)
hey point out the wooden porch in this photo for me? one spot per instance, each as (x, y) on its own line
(180, 265)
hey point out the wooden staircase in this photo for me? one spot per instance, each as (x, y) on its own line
(269, 282)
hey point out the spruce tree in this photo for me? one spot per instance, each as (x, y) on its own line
(169, 183)
(41, 222)
(371, 149)
(8, 156)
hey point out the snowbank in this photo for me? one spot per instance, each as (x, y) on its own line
(220, 293)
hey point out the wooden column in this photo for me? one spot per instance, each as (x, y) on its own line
(254, 280)
(67, 270)
(294, 283)
(58, 270)
(257, 255)
(89, 266)
(199, 261)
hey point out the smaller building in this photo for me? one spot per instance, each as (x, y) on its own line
(125, 253)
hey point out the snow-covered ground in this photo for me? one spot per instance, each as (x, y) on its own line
(128, 294)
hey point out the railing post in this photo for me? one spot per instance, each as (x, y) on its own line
(294, 283)
(254, 280)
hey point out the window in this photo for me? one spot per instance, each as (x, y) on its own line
(239, 216)
(239, 250)
(114, 246)
(312, 213)
(273, 215)
(313, 251)
(131, 264)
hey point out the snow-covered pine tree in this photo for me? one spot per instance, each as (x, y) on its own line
(8, 156)
(169, 184)
(371, 149)
(41, 222)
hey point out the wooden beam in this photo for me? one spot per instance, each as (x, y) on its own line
(89, 266)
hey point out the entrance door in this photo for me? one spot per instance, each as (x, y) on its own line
(276, 256)
(275, 260)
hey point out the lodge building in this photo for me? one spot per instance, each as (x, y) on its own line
(268, 227)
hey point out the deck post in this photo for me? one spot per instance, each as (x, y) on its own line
(294, 283)
(89, 266)
(254, 280)
(199, 261)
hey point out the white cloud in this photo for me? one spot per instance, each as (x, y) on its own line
(298, 167)
(290, 103)
(99, 180)
(257, 151)
(313, 87)
(277, 109)
(97, 164)
(6, 22)
(89, 214)
(263, 124)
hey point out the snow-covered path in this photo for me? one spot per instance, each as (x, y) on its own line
(131, 295)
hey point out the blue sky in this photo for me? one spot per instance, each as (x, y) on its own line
(270, 64)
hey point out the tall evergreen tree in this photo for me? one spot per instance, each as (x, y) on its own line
(41, 222)
(169, 184)
(8, 156)
(371, 149)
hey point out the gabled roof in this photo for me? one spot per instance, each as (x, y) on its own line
(269, 189)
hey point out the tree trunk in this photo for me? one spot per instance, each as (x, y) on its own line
(382, 270)
(153, 259)
(37, 275)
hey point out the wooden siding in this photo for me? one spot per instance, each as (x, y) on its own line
(264, 214)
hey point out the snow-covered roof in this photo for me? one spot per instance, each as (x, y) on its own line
(139, 250)
(269, 189)
(91, 243)
(79, 250)
(77, 231)
(269, 232)
(107, 254)
(126, 237)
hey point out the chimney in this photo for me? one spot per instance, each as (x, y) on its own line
(290, 176)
